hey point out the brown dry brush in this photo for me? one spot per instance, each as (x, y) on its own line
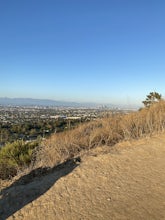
(107, 131)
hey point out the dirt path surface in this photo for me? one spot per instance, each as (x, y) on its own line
(126, 183)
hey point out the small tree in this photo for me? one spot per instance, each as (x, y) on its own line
(152, 98)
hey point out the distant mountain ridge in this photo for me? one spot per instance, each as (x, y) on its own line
(42, 102)
(5, 101)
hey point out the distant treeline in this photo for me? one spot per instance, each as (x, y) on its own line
(30, 130)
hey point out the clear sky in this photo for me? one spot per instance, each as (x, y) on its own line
(108, 51)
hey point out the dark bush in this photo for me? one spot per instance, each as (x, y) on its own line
(15, 156)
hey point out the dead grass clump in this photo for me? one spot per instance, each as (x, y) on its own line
(106, 131)
(65, 145)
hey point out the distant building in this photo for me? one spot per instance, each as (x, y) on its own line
(57, 116)
(73, 118)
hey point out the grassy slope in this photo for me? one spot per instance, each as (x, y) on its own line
(103, 132)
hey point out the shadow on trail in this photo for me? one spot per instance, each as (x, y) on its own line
(31, 186)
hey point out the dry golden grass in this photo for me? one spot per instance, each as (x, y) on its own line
(126, 184)
(107, 131)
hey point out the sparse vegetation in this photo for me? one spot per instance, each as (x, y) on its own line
(107, 131)
(68, 144)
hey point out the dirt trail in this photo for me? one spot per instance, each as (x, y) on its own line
(126, 183)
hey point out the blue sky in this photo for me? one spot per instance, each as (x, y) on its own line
(108, 51)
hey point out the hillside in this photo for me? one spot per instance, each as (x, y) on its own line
(126, 181)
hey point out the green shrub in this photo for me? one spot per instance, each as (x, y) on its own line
(15, 156)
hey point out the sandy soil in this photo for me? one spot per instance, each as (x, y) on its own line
(126, 182)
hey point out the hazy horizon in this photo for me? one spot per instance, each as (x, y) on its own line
(81, 103)
(82, 51)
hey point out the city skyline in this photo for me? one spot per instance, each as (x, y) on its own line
(82, 51)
